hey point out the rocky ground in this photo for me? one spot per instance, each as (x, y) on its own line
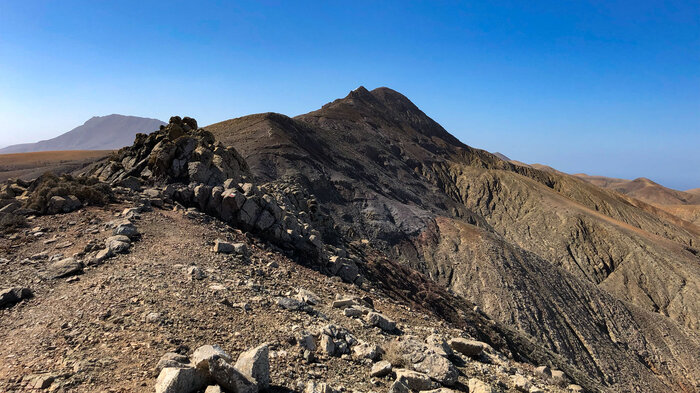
(104, 327)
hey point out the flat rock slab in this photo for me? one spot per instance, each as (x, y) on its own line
(65, 268)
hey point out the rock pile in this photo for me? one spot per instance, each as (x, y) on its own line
(210, 367)
(178, 152)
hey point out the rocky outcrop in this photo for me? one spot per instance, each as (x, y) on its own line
(178, 152)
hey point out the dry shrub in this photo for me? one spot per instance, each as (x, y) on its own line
(89, 191)
(394, 355)
(10, 222)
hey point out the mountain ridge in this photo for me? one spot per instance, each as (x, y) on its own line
(377, 160)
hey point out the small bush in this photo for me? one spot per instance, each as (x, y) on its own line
(10, 222)
(89, 191)
(394, 355)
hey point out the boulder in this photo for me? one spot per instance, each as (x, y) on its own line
(307, 296)
(380, 321)
(288, 303)
(467, 347)
(327, 345)
(415, 380)
(10, 296)
(173, 360)
(223, 247)
(207, 353)
(213, 389)
(353, 312)
(255, 363)
(103, 254)
(58, 204)
(478, 386)
(343, 303)
(520, 383)
(399, 387)
(127, 229)
(231, 379)
(558, 376)
(543, 371)
(65, 268)
(180, 380)
(307, 342)
(364, 350)
(240, 248)
(118, 244)
(438, 368)
(380, 369)
(439, 345)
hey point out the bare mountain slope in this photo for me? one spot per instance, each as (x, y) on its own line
(551, 248)
(98, 133)
(682, 204)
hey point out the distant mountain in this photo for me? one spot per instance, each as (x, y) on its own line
(644, 189)
(695, 191)
(98, 133)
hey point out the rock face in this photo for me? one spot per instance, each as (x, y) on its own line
(547, 253)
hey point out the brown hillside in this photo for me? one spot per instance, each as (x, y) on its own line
(386, 172)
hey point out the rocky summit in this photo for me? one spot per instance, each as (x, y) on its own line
(356, 248)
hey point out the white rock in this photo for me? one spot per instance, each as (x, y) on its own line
(207, 353)
(255, 363)
(478, 386)
(180, 380)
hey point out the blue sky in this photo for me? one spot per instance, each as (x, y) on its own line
(605, 87)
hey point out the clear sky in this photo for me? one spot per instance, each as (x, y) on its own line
(604, 87)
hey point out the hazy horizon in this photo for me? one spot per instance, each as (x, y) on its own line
(605, 89)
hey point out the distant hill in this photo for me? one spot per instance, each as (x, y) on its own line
(695, 191)
(98, 133)
(644, 189)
